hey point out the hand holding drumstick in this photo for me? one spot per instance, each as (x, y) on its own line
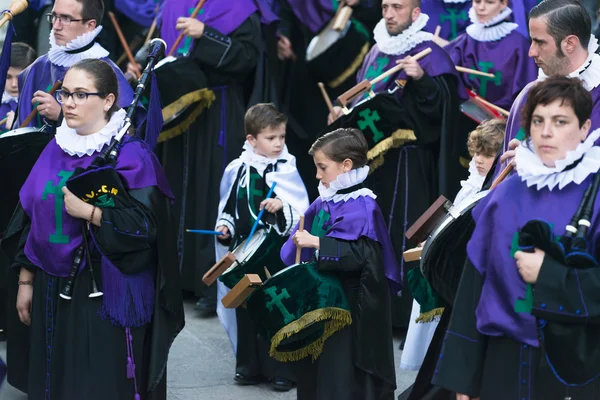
(303, 239)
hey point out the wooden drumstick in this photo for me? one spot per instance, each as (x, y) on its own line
(495, 107)
(400, 65)
(180, 37)
(298, 248)
(3, 121)
(152, 29)
(34, 112)
(505, 172)
(16, 7)
(438, 29)
(124, 43)
(326, 97)
(474, 72)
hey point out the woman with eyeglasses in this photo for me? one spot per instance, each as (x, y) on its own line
(92, 346)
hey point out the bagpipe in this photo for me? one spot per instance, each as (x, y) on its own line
(571, 345)
(100, 183)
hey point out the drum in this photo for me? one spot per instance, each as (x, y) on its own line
(184, 100)
(297, 309)
(476, 110)
(445, 251)
(262, 251)
(383, 122)
(333, 56)
(19, 150)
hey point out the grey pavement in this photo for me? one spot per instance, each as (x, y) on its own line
(201, 366)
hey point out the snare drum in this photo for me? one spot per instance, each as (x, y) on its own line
(445, 251)
(334, 56)
(19, 150)
(184, 94)
(262, 251)
(297, 309)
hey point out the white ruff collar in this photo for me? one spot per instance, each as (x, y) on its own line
(251, 159)
(77, 145)
(345, 181)
(455, 1)
(486, 32)
(532, 171)
(470, 187)
(58, 54)
(7, 98)
(403, 42)
(590, 76)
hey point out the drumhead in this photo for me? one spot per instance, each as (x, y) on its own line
(19, 132)
(242, 253)
(323, 41)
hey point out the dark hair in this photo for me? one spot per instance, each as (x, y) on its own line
(341, 144)
(21, 55)
(564, 18)
(569, 90)
(92, 9)
(487, 137)
(262, 116)
(104, 79)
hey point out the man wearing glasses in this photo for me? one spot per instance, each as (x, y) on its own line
(75, 26)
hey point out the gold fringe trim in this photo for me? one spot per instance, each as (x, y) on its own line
(183, 126)
(201, 95)
(336, 319)
(397, 139)
(464, 162)
(351, 70)
(431, 315)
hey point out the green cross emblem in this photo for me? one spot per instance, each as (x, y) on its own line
(453, 16)
(377, 68)
(368, 119)
(276, 301)
(105, 201)
(56, 190)
(486, 66)
(318, 227)
(187, 43)
(520, 134)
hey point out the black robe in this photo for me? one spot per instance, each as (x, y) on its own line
(194, 161)
(357, 363)
(499, 368)
(69, 336)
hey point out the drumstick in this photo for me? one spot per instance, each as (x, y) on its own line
(152, 29)
(438, 29)
(180, 37)
(495, 107)
(400, 65)
(326, 97)
(33, 112)
(260, 214)
(267, 273)
(298, 248)
(505, 172)
(474, 72)
(16, 7)
(124, 43)
(200, 231)
(3, 121)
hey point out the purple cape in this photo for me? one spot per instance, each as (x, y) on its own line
(452, 17)
(350, 220)
(513, 124)
(506, 58)
(375, 63)
(214, 13)
(520, 14)
(55, 235)
(498, 217)
(42, 74)
(142, 12)
(4, 109)
(313, 14)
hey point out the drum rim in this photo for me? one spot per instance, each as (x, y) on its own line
(313, 42)
(257, 240)
(446, 222)
(20, 132)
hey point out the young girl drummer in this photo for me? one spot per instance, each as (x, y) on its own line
(345, 231)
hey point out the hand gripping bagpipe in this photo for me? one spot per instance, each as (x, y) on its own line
(572, 345)
(100, 183)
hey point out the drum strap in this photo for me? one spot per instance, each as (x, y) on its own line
(351, 189)
(81, 49)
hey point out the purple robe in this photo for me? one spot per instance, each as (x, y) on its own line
(313, 14)
(506, 58)
(213, 14)
(513, 124)
(142, 12)
(42, 74)
(4, 109)
(452, 17)
(520, 14)
(55, 236)
(350, 220)
(498, 218)
(375, 63)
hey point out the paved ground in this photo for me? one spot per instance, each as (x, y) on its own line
(201, 367)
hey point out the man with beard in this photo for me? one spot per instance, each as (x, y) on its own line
(427, 160)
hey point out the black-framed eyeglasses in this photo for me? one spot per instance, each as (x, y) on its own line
(64, 20)
(79, 98)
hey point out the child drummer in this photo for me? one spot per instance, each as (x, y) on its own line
(346, 233)
(264, 162)
(21, 56)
